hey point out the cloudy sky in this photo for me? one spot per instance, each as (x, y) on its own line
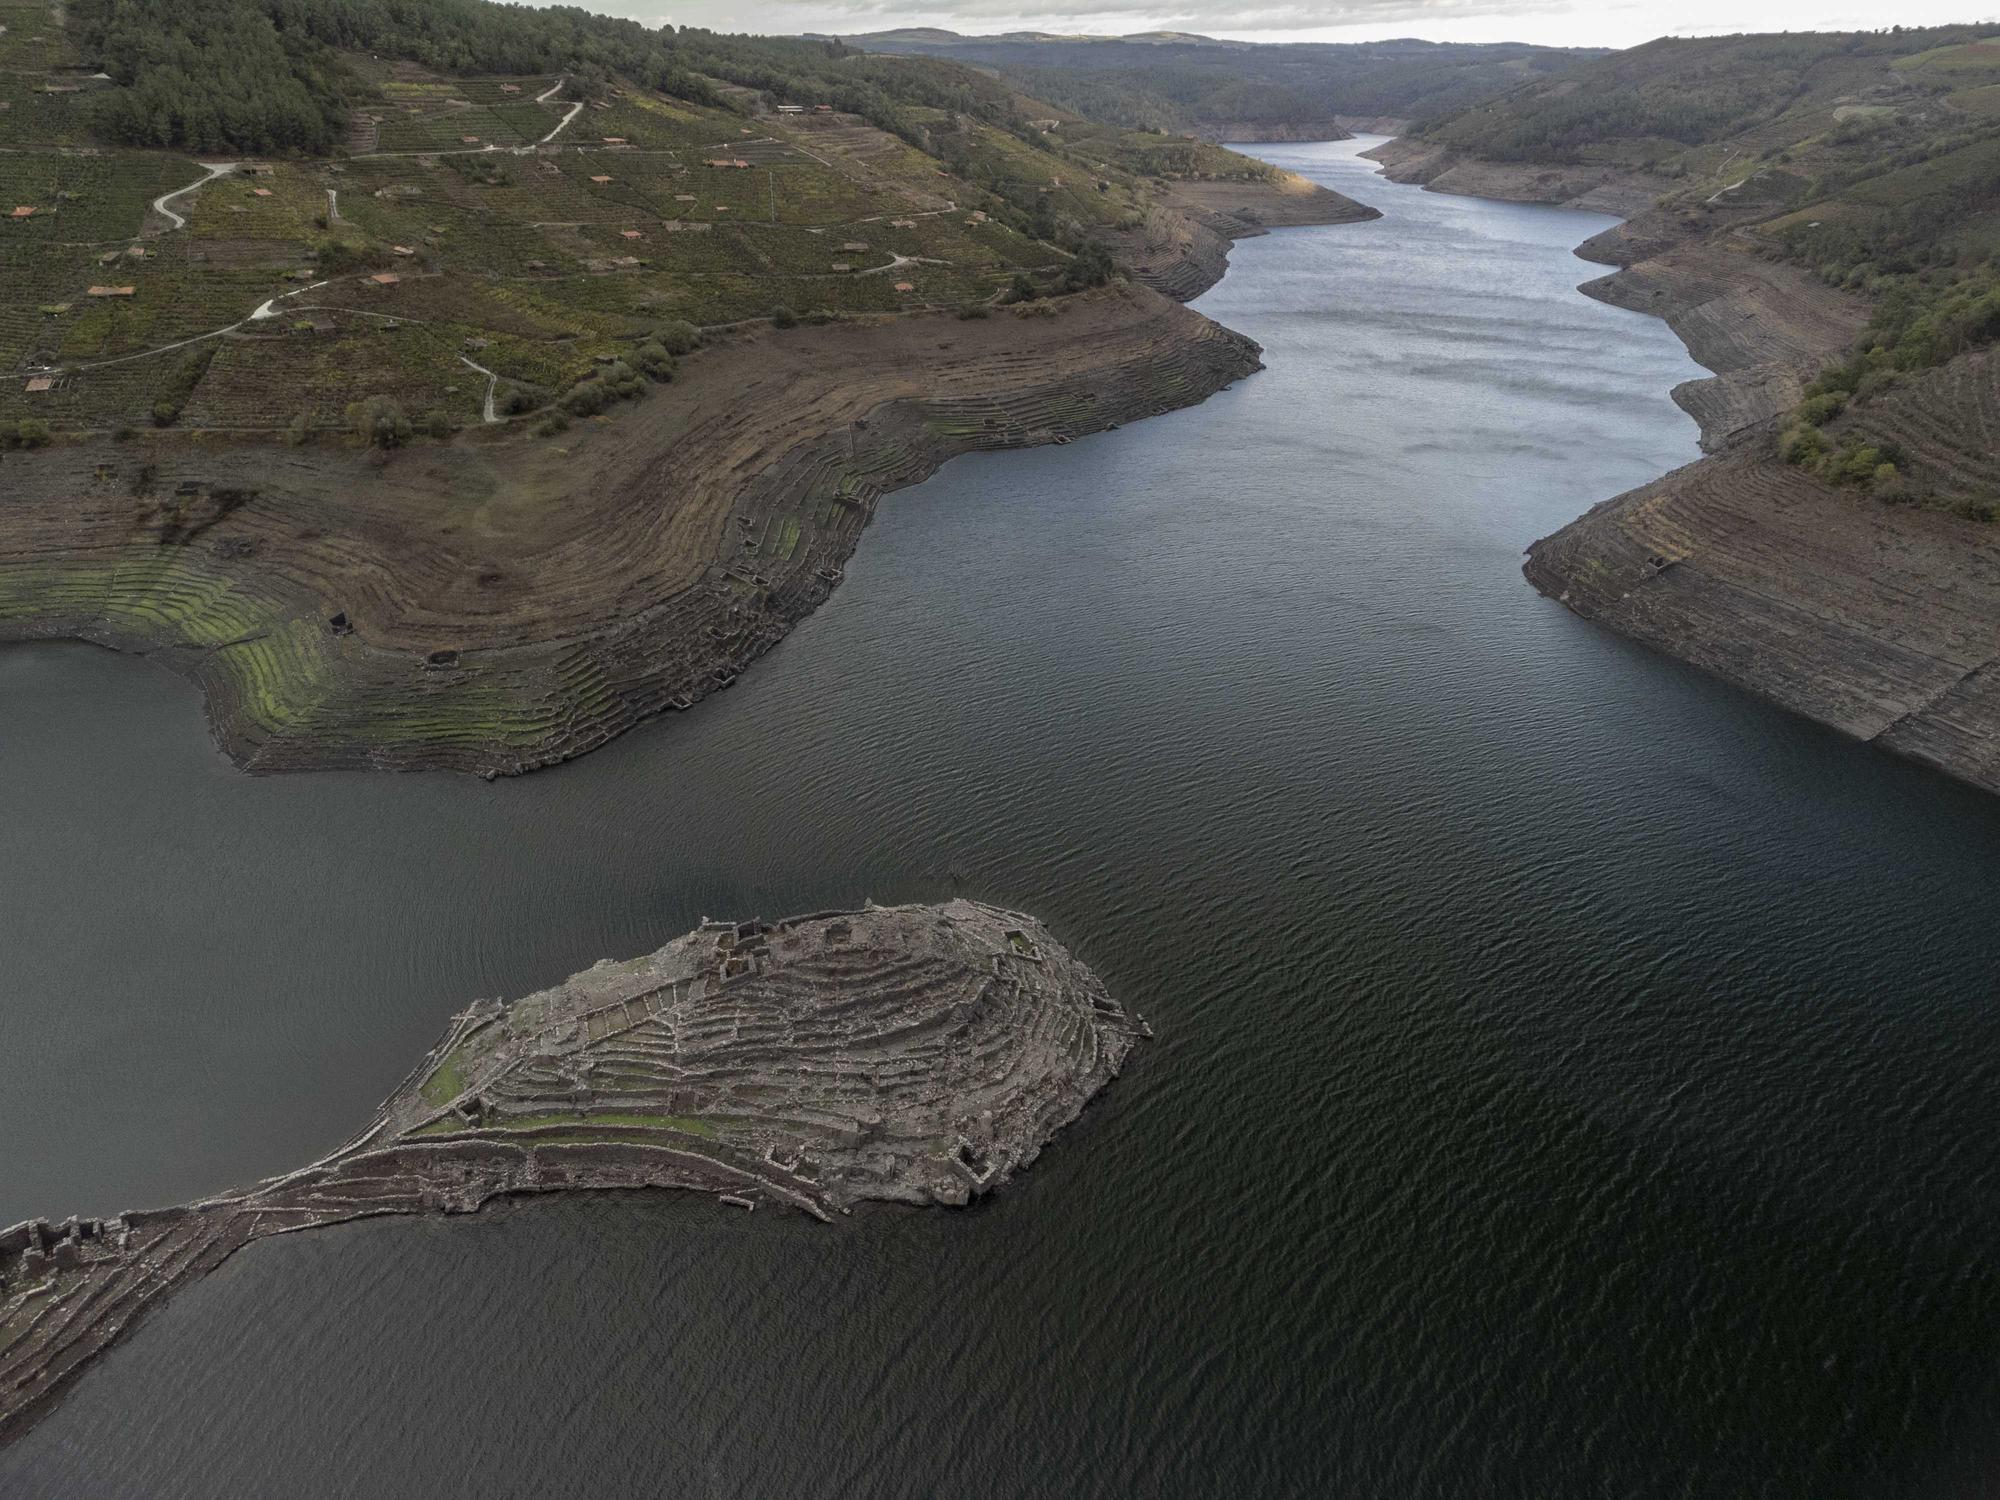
(1548, 21)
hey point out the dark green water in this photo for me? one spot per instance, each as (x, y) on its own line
(1573, 1078)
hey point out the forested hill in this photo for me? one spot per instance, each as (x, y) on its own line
(280, 75)
(1176, 82)
(1872, 158)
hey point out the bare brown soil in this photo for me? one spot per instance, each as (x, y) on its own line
(1610, 190)
(1881, 621)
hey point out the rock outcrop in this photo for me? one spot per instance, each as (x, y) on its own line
(919, 1054)
(1182, 248)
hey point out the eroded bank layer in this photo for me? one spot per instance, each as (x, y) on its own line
(1881, 621)
(494, 607)
(917, 1054)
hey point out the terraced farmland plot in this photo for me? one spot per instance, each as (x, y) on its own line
(808, 193)
(948, 237)
(169, 304)
(1955, 172)
(266, 380)
(444, 127)
(649, 122)
(590, 307)
(91, 398)
(550, 365)
(33, 42)
(481, 305)
(29, 116)
(85, 197)
(556, 190)
(690, 250)
(493, 93)
(282, 206)
(737, 193)
(476, 247)
(806, 252)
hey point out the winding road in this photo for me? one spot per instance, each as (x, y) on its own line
(214, 170)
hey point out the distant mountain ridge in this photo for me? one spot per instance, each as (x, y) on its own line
(1182, 82)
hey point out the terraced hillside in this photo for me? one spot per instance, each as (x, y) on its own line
(918, 1054)
(540, 401)
(1818, 218)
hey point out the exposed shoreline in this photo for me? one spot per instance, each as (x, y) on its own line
(1880, 621)
(494, 606)
(916, 1054)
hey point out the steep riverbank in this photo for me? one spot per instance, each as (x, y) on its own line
(917, 1054)
(496, 605)
(1880, 621)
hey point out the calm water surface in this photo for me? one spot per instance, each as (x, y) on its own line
(1573, 1078)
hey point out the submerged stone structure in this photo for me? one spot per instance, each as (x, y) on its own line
(919, 1054)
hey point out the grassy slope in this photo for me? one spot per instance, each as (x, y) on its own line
(515, 257)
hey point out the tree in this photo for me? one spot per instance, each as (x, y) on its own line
(380, 422)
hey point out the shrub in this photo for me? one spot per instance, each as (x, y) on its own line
(593, 394)
(380, 422)
(974, 310)
(29, 432)
(1971, 507)
(677, 337)
(654, 361)
(784, 317)
(1022, 289)
(1801, 444)
(166, 413)
(439, 424)
(515, 400)
(550, 425)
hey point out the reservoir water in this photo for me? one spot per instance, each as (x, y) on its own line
(1572, 1077)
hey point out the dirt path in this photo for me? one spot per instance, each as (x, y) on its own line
(213, 171)
(546, 97)
(491, 416)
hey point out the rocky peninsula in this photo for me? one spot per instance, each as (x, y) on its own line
(913, 1054)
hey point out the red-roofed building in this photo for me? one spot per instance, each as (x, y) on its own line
(600, 179)
(385, 278)
(906, 286)
(24, 212)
